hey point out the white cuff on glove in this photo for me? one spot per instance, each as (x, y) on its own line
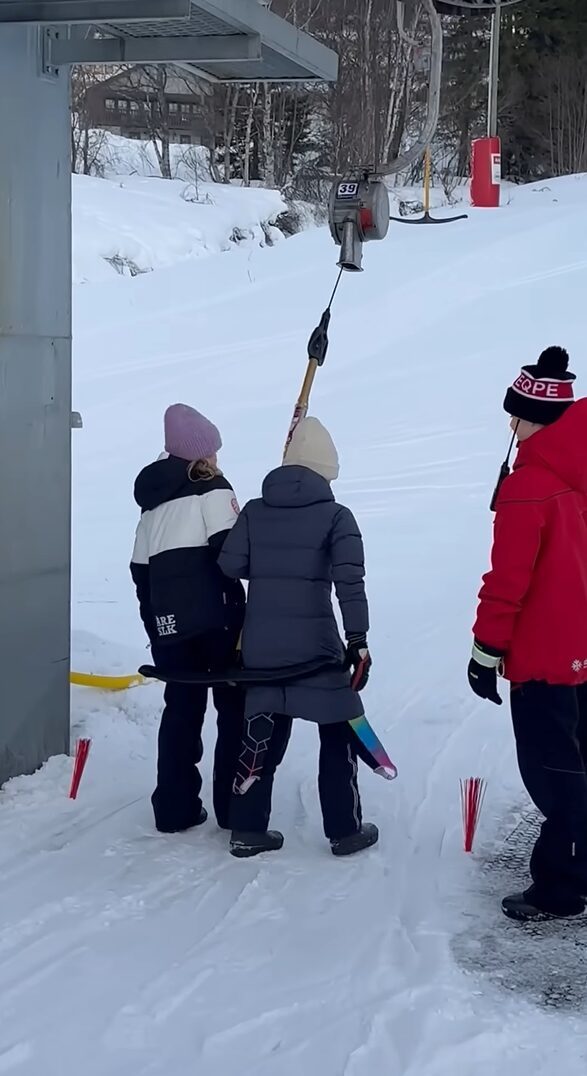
(488, 661)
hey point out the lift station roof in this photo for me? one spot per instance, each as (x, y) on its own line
(225, 40)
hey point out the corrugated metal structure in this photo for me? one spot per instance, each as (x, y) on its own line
(220, 39)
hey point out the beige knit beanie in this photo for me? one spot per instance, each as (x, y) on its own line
(312, 446)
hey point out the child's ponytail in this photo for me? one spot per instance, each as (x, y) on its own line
(203, 470)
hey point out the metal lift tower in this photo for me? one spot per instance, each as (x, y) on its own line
(226, 40)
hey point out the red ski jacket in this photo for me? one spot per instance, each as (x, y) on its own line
(533, 602)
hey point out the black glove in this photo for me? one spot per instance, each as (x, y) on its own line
(482, 672)
(358, 659)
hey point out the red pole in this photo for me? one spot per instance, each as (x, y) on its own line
(82, 750)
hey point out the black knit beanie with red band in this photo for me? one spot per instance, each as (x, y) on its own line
(542, 393)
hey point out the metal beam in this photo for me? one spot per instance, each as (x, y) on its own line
(35, 406)
(276, 33)
(91, 11)
(113, 50)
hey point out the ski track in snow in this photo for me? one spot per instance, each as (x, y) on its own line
(127, 952)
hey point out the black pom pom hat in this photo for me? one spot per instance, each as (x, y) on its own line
(542, 393)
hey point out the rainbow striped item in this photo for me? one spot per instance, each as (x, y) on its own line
(368, 737)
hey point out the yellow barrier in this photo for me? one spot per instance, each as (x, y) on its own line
(107, 683)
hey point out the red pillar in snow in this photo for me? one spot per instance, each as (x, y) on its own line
(485, 172)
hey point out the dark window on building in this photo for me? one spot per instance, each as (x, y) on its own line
(185, 140)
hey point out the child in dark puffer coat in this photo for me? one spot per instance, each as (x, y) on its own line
(191, 612)
(292, 545)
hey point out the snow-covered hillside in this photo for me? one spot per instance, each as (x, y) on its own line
(133, 224)
(126, 952)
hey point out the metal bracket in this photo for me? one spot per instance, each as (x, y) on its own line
(48, 69)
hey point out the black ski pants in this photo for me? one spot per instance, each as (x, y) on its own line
(550, 725)
(264, 745)
(176, 799)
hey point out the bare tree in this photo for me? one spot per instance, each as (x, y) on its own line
(248, 145)
(152, 80)
(154, 83)
(368, 105)
(230, 114)
(565, 107)
(87, 144)
(268, 135)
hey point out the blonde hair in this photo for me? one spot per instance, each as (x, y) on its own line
(203, 469)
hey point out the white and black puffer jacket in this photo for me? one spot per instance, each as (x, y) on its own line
(182, 592)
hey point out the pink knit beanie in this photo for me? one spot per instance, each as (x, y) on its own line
(189, 435)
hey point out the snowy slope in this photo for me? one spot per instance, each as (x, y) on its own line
(141, 223)
(125, 952)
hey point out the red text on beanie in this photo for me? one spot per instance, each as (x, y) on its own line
(543, 392)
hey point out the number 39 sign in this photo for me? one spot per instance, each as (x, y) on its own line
(347, 190)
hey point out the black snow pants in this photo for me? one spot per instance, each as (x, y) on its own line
(264, 745)
(176, 800)
(550, 725)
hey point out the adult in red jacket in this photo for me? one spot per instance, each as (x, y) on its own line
(532, 626)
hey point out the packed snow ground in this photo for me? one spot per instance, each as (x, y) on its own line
(127, 952)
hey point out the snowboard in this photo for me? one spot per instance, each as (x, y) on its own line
(373, 751)
(237, 675)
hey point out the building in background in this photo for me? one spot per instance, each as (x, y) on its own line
(135, 103)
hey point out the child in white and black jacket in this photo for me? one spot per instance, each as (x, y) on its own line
(192, 613)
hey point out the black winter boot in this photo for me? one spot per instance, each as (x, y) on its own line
(366, 836)
(244, 845)
(521, 906)
(164, 823)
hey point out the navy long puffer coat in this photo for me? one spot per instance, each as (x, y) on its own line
(292, 545)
